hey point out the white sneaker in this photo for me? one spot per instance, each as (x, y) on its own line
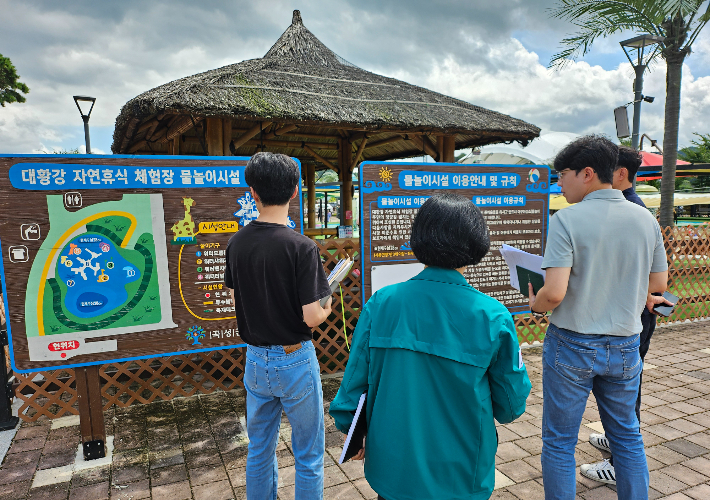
(600, 442)
(602, 472)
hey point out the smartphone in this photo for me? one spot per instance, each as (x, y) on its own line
(664, 309)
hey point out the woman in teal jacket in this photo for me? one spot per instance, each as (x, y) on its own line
(439, 361)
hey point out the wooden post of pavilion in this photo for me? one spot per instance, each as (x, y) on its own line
(214, 137)
(345, 174)
(311, 187)
(446, 146)
(226, 136)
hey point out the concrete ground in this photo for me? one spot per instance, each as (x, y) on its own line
(195, 448)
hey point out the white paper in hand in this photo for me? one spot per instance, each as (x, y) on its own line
(515, 257)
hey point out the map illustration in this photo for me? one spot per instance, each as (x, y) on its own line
(102, 270)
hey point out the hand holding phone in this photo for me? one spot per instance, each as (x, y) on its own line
(665, 308)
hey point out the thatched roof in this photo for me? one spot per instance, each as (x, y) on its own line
(301, 82)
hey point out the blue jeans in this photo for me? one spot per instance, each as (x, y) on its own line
(274, 381)
(572, 365)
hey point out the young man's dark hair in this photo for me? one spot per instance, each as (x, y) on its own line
(593, 151)
(450, 232)
(273, 176)
(630, 159)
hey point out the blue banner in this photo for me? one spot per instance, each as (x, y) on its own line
(53, 176)
(414, 179)
(499, 201)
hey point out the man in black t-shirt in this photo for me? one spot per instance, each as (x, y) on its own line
(277, 280)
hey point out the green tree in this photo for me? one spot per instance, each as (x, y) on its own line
(679, 21)
(699, 152)
(9, 84)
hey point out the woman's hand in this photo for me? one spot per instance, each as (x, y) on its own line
(360, 454)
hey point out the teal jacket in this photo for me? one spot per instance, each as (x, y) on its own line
(439, 361)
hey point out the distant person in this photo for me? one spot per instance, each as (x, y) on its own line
(675, 216)
(328, 216)
(320, 214)
(603, 257)
(276, 280)
(626, 169)
(439, 361)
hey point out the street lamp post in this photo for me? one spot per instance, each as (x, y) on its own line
(639, 44)
(85, 116)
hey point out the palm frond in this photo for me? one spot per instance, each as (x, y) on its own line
(681, 7)
(596, 19)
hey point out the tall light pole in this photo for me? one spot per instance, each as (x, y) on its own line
(640, 44)
(85, 116)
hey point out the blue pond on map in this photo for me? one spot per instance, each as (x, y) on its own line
(95, 274)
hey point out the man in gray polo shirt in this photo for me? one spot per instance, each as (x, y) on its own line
(603, 258)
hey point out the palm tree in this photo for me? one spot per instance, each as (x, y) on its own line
(679, 21)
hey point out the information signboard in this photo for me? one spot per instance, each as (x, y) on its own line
(108, 258)
(514, 200)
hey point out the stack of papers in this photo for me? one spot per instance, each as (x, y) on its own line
(338, 274)
(524, 268)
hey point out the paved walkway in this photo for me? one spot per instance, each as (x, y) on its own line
(195, 448)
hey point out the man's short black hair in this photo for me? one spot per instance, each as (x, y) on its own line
(593, 151)
(449, 231)
(273, 176)
(630, 159)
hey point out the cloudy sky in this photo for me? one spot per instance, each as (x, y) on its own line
(493, 54)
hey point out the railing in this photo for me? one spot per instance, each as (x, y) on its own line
(53, 393)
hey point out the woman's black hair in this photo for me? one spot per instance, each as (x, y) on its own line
(449, 231)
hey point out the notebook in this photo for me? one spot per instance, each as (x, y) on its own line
(357, 432)
(338, 274)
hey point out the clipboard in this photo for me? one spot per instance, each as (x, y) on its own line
(526, 276)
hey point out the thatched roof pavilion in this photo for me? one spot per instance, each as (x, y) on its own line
(303, 100)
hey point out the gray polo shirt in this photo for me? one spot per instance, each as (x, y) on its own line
(612, 245)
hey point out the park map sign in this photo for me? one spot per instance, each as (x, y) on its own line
(513, 199)
(108, 258)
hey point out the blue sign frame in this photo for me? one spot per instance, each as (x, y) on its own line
(383, 187)
(225, 159)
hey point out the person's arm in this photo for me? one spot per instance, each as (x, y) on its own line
(657, 283)
(508, 378)
(314, 314)
(312, 287)
(553, 291)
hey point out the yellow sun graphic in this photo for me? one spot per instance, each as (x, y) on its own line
(385, 174)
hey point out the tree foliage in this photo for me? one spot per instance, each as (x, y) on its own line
(10, 87)
(678, 21)
(699, 152)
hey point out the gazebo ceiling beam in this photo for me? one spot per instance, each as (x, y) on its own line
(383, 142)
(293, 144)
(191, 139)
(358, 154)
(250, 133)
(146, 125)
(423, 144)
(319, 158)
(280, 131)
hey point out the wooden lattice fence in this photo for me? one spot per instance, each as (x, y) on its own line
(53, 394)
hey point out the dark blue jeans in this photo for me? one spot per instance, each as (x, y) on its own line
(574, 364)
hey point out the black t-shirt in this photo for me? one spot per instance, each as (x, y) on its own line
(274, 271)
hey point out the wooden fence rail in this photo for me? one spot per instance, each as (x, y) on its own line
(53, 394)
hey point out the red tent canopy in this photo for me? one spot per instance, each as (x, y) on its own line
(656, 160)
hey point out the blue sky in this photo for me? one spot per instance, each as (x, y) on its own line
(493, 54)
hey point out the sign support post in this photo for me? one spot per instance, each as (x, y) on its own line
(91, 415)
(7, 421)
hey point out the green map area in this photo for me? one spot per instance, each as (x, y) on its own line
(142, 305)
(98, 269)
